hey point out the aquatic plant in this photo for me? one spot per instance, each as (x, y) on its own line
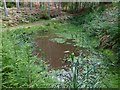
(58, 40)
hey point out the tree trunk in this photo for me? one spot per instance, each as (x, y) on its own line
(17, 5)
(59, 5)
(76, 6)
(55, 7)
(30, 4)
(48, 8)
(25, 4)
(5, 8)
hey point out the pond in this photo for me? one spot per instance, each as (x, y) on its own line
(53, 52)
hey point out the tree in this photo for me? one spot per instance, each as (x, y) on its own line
(17, 5)
(55, 7)
(59, 5)
(48, 8)
(5, 8)
(30, 4)
(76, 6)
(24, 4)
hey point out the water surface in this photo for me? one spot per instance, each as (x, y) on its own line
(53, 52)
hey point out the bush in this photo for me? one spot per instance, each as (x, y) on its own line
(10, 4)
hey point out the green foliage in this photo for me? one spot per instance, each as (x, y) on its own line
(102, 29)
(44, 14)
(74, 69)
(88, 72)
(86, 32)
(81, 19)
(10, 4)
(115, 3)
(19, 67)
(73, 7)
(31, 18)
(115, 37)
(101, 8)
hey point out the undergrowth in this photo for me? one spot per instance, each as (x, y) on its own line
(20, 68)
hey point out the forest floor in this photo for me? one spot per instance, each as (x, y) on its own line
(36, 23)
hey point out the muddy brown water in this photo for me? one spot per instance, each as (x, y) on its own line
(53, 52)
